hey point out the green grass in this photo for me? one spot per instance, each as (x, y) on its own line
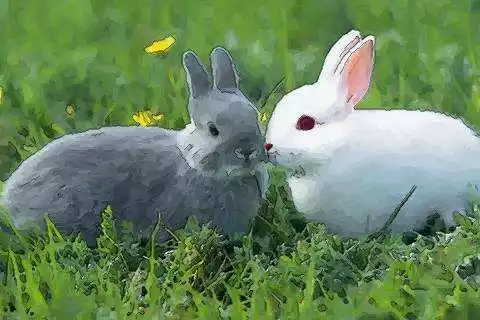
(282, 269)
(90, 54)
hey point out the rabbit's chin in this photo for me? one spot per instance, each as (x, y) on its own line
(229, 171)
(292, 165)
(235, 171)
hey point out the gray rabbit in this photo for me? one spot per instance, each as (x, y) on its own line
(213, 169)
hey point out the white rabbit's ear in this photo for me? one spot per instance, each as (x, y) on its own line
(355, 70)
(337, 53)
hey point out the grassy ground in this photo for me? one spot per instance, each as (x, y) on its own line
(67, 66)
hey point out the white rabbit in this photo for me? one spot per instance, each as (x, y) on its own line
(350, 168)
(212, 169)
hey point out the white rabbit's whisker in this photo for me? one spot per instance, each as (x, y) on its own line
(296, 172)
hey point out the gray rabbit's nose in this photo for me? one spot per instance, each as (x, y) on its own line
(245, 153)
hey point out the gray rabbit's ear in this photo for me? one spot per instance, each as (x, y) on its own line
(224, 73)
(199, 82)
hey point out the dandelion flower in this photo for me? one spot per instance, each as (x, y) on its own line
(142, 119)
(161, 46)
(263, 117)
(146, 118)
(70, 110)
(157, 117)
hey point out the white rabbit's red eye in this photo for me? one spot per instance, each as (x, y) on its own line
(305, 123)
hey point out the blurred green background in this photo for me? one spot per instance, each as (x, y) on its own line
(90, 54)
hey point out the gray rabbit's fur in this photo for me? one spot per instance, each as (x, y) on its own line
(145, 171)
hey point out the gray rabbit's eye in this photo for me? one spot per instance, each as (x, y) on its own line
(213, 129)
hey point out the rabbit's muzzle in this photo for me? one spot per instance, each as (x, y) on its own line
(246, 154)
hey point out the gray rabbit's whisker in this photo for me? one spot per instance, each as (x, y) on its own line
(196, 154)
(239, 154)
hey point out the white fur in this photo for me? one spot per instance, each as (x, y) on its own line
(359, 164)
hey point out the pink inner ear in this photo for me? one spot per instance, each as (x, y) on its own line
(358, 73)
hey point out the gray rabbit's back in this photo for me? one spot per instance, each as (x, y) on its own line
(74, 177)
(138, 171)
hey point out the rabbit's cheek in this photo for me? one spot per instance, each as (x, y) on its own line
(283, 160)
(211, 161)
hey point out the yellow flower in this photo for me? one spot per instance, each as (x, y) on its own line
(70, 110)
(263, 117)
(157, 117)
(161, 46)
(146, 118)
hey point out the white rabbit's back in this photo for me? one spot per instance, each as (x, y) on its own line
(414, 131)
(386, 152)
